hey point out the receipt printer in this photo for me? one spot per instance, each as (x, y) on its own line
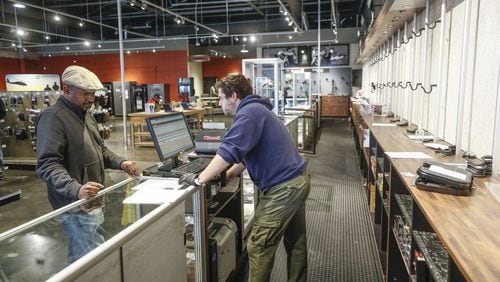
(222, 248)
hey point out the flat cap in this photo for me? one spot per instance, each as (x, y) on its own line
(81, 78)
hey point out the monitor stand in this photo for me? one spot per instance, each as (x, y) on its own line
(168, 166)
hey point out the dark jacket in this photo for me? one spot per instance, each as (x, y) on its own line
(260, 140)
(70, 151)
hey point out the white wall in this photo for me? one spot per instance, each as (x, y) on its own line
(195, 71)
(481, 76)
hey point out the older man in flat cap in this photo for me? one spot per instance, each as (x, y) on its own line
(71, 158)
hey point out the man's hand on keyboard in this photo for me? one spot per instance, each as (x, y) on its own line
(189, 179)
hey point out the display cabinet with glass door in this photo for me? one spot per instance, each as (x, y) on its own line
(267, 76)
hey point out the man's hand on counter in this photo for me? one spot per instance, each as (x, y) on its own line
(89, 190)
(189, 179)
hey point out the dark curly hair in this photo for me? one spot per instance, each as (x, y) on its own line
(235, 83)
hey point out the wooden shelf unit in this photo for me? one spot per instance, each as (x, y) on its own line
(334, 106)
(461, 228)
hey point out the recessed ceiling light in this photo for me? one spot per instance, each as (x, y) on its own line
(19, 5)
(253, 38)
(86, 43)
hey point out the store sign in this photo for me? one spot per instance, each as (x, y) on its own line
(33, 82)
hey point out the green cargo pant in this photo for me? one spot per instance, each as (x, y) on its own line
(280, 212)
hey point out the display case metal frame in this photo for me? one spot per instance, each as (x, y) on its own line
(254, 70)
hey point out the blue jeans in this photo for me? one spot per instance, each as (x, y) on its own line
(83, 231)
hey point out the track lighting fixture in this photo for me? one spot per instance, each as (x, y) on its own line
(143, 6)
(19, 5)
(244, 50)
(67, 47)
(86, 43)
(81, 24)
(57, 17)
(132, 3)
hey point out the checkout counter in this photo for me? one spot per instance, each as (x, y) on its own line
(142, 242)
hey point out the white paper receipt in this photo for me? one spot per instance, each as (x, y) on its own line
(408, 155)
(383, 124)
(166, 183)
(448, 172)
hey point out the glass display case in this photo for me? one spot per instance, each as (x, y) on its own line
(123, 239)
(306, 129)
(267, 76)
(298, 89)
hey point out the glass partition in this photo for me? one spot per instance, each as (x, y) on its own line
(41, 248)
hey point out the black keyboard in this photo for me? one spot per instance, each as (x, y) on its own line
(195, 166)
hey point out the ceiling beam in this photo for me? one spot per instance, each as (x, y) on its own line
(78, 18)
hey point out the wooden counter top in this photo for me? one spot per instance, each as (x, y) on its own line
(468, 226)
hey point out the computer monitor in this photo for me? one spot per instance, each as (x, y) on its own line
(167, 108)
(185, 106)
(171, 135)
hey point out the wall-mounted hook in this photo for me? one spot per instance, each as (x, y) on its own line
(435, 23)
(405, 86)
(414, 88)
(428, 91)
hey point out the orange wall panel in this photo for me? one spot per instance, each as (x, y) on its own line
(144, 68)
(219, 67)
(16, 66)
